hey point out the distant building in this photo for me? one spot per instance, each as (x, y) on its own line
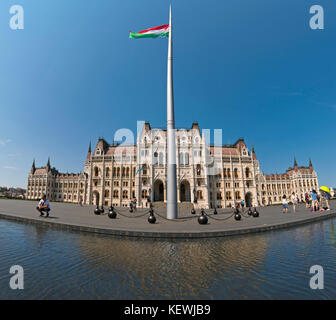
(17, 193)
(207, 176)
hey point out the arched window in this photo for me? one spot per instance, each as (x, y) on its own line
(186, 160)
(107, 193)
(115, 194)
(161, 158)
(181, 159)
(114, 172)
(107, 172)
(96, 172)
(123, 171)
(127, 172)
(144, 194)
(118, 172)
(125, 194)
(236, 173)
(247, 172)
(155, 158)
(199, 195)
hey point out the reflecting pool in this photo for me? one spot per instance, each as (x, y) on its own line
(71, 265)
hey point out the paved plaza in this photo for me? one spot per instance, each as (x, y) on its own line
(74, 217)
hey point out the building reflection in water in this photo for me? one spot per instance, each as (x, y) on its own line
(72, 265)
(184, 267)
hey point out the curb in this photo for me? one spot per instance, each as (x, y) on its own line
(166, 235)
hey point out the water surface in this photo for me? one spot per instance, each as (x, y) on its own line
(71, 265)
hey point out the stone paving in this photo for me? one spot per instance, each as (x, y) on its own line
(74, 217)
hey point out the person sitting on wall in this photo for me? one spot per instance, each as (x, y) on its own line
(43, 206)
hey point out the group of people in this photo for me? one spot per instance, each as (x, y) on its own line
(43, 206)
(313, 200)
(133, 204)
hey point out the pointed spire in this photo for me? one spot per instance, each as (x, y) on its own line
(89, 152)
(33, 167)
(295, 163)
(253, 151)
(310, 163)
(48, 164)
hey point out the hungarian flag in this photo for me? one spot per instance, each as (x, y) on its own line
(156, 32)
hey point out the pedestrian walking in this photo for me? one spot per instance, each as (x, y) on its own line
(294, 201)
(284, 204)
(307, 200)
(313, 196)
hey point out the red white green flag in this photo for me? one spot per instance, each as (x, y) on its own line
(156, 32)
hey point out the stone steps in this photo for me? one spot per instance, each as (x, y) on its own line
(181, 206)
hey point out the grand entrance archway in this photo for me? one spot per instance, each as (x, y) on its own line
(95, 198)
(185, 191)
(248, 199)
(158, 191)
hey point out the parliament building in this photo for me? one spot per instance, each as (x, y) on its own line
(208, 176)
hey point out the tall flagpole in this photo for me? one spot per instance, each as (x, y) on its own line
(171, 170)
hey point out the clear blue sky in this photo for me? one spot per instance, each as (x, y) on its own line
(253, 68)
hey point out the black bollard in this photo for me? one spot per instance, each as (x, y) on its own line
(151, 218)
(101, 210)
(112, 214)
(237, 215)
(202, 219)
(255, 213)
(193, 211)
(215, 211)
(249, 212)
(97, 211)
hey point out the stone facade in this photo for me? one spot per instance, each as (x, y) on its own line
(208, 176)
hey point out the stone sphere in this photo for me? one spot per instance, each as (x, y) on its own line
(112, 214)
(255, 213)
(151, 219)
(202, 219)
(97, 211)
(237, 216)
